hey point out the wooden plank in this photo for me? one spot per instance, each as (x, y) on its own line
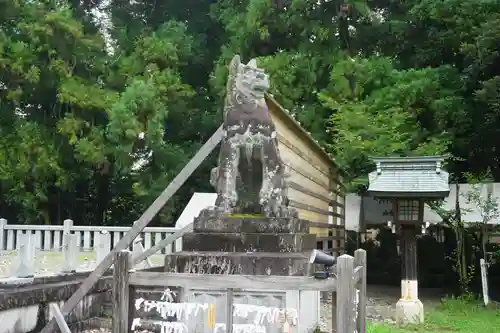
(484, 281)
(229, 310)
(301, 176)
(303, 144)
(306, 198)
(285, 138)
(132, 296)
(310, 208)
(312, 216)
(223, 282)
(334, 311)
(278, 112)
(120, 292)
(297, 187)
(345, 297)
(285, 118)
(360, 261)
(142, 222)
(337, 180)
(70, 251)
(163, 243)
(290, 157)
(300, 188)
(61, 322)
(325, 225)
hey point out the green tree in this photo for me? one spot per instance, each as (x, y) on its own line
(77, 119)
(381, 111)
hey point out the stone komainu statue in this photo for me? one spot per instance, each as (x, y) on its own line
(250, 177)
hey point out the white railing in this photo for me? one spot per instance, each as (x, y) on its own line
(50, 237)
(35, 250)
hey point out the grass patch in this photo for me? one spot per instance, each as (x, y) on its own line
(452, 315)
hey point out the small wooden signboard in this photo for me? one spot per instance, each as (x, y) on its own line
(484, 280)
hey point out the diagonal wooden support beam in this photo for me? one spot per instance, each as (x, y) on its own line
(61, 322)
(141, 223)
(163, 243)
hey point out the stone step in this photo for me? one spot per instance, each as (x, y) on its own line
(209, 222)
(250, 263)
(248, 242)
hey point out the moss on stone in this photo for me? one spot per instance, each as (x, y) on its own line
(247, 215)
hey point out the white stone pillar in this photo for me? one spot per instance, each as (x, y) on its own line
(409, 309)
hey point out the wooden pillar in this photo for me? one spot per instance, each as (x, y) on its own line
(345, 295)
(120, 292)
(409, 273)
(360, 260)
(409, 309)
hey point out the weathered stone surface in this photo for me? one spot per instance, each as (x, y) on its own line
(209, 222)
(15, 282)
(252, 263)
(250, 176)
(248, 242)
(32, 295)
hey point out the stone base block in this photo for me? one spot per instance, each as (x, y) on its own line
(248, 242)
(409, 312)
(252, 263)
(209, 222)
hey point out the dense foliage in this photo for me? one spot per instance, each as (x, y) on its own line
(103, 102)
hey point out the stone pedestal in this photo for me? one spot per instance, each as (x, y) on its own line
(409, 309)
(244, 245)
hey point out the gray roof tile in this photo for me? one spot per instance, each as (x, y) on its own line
(409, 177)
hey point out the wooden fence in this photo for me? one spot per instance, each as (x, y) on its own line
(348, 288)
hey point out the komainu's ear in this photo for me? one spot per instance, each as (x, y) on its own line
(234, 63)
(252, 63)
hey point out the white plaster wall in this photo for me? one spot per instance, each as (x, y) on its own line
(196, 204)
(20, 320)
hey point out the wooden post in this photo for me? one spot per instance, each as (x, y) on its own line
(138, 249)
(132, 295)
(334, 310)
(67, 226)
(3, 224)
(345, 295)
(360, 260)
(26, 256)
(409, 272)
(229, 310)
(102, 245)
(484, 281)
(121, 292)
(70, 252)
